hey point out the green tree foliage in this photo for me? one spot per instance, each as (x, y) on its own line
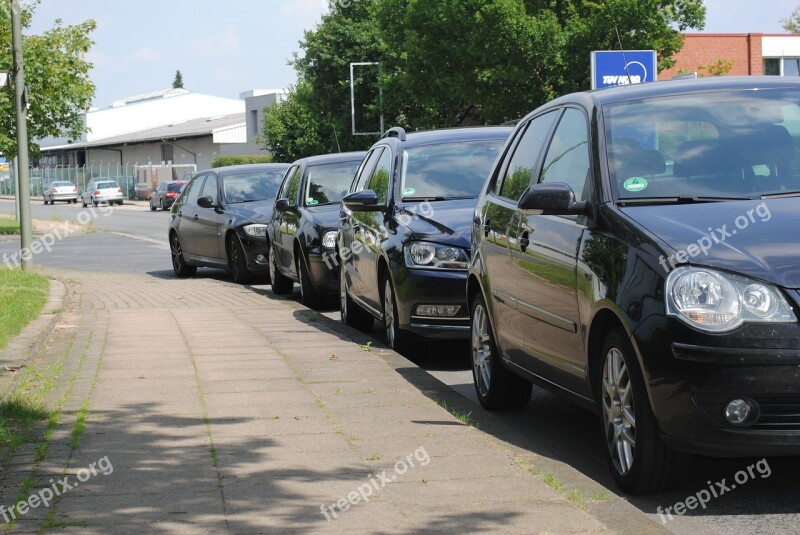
(458, 62)
(227, 161)
(177, 83)
(57, 76)
(792, 24)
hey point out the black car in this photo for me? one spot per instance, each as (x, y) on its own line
(220, 220)
(304, 225)
(635, 250)
(403, 244)
(165, 194)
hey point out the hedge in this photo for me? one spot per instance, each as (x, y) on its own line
(227, 161)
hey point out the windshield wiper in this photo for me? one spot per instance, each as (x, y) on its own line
(781, 195)
(681, 199)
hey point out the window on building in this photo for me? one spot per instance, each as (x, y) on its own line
(772, 66)
(167, 154)
(791, 66)
(254, 122)
(782, 66)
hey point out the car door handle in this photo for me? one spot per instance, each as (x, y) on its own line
(196, 217)
(180, 214)
(524, 241)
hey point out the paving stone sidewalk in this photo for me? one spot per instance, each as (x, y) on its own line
(214, 408)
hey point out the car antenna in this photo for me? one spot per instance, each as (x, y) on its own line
(336, 136)
(621, 49)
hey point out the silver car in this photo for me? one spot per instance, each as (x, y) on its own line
(60, 191)
(102, 190)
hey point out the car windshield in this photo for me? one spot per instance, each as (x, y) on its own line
(107, 185)
(448, 171)
(329, 183)
(174, 187)
(720, 145)
(252, 186)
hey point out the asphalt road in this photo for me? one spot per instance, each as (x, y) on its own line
(131, 239)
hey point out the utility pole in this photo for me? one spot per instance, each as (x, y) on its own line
(21, 104)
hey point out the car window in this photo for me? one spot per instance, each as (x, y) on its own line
(174, 187)
(379, 182)
(192, 191)
(568, 155)
(367, 166)
(284, 191)
(522, 167)
(210, 188)
(293, 187)
(329, 183)
(251, 186)
(107, 185)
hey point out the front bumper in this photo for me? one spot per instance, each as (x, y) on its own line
(324, 275)
(255, 252)
(414, 287)
(691, 377)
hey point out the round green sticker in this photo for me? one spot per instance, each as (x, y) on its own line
(408, 192)
(635, 184)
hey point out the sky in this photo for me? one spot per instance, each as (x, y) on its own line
(224, 48)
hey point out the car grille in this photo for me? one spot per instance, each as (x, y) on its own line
(779, 413)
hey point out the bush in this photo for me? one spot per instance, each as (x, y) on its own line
(227, 161)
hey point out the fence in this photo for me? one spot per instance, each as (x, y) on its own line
(136, 181)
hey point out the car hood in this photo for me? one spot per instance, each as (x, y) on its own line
(447, 222)
(754, 238)
(251, 212)
(326, 217)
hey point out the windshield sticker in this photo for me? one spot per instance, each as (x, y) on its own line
(408, 192)
(635, 184)
(311, 201)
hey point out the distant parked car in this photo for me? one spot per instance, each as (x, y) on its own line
(220, 220)
(305, 223)
(165, 194)
(60, 191)
(403, 245)
(102, 190)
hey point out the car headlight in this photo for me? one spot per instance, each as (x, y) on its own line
(718, 302)
(329, 239)
(435, 256)
(256, 231)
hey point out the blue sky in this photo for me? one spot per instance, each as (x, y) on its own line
(226, 47)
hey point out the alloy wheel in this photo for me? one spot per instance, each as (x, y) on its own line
(388, 313)
(618, 411)
(177, 254)
(481, 350)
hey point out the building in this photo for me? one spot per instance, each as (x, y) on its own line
(751, 54)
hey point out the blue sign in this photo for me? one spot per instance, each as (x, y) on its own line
(614, 67)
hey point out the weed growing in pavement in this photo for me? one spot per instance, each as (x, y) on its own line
(551, 480)
(373, 457)
(464, 417)
(366, 347)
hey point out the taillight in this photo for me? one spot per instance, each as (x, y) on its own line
(170, 195)
(75, 190)
(55, 190)
(119, 190)
(97, 192)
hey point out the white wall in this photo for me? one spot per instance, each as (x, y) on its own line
(780, 46)
(150, 153)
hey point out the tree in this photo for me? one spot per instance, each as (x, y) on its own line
(57, 77)
(792, 24)
(177, 83)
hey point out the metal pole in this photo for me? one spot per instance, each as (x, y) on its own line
(20, 101)
(16, 188)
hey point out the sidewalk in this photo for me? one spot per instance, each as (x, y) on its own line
(225, 411)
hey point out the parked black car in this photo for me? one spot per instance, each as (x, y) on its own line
(220, 220)
(305, 223)
(403, 244)
(165, 194)
(635, 249)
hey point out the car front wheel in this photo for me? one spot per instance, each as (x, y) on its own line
(396, 338)
(281, 285)
(639, 460)
(308, 294)
(496, 387)
(237, 262)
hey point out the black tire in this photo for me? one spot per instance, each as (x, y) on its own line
(94, 202)
(281, 285)
(161, 205)
(496, 387)
(396, 338)
(83, 202)
(120, 203)
(309, 296)
(352, 314)
(152, 206)
(237, 261)
(45, 202)
(179, 265)
(639, 460)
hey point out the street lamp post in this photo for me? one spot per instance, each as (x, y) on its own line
(21, 104)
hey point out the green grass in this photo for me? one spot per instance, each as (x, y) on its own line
(17, 415)
(22, 297)
(8, 227)
(464, 417)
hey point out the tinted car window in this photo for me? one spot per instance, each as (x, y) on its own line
(174, 187)
(251, 186)
(329, 183)
(61, 184)
(568, 155)
(520, 171)
(107, 185)
(210, 188)
(379, 183)
(192, 192)
(448, 171)
(366, 168)
(293, 187)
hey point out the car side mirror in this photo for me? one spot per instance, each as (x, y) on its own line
(363, 201)
(282, 205)
(551, 199)
(206, 202)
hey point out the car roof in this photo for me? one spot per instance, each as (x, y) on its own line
(625, 93)
(332, 158)
(454, 135)
(233, 169)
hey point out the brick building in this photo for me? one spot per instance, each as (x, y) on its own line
(751, 54)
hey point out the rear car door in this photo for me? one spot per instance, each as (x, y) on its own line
(546, 263)
(186, 214)
(208, 222)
